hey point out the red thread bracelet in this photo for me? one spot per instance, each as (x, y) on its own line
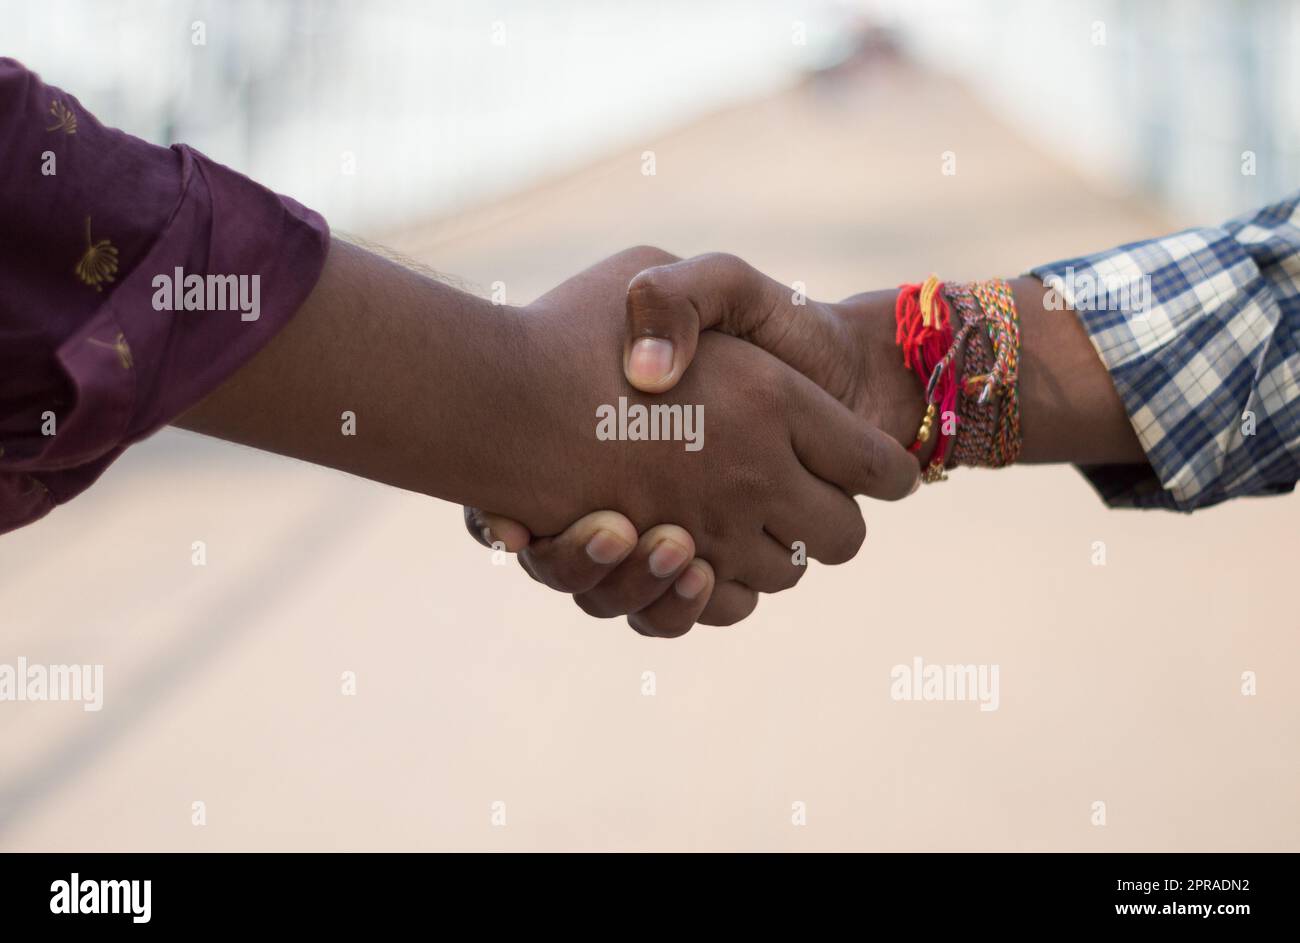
(924, 332)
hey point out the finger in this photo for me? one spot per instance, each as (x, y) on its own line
(847, 451)
(669, 305)
(674, 612)
(822, 522)
(768, 567)
(730, 602)
(660, 555)
(488, 529)
(583, 555)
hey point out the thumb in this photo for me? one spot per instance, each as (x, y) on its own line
(669, 305)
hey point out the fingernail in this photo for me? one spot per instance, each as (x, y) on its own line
(487, 536)
(691, 583)
(651, 359)
(606, 548)
(667, 558)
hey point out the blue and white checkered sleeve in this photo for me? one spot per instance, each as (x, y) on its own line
(1201, 334)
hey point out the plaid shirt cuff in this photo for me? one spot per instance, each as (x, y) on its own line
(1199, 331)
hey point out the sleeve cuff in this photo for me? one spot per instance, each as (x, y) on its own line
(1181, 324)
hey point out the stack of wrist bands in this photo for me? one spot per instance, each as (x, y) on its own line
(978, 413)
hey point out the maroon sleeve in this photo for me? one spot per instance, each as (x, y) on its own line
(134, 279)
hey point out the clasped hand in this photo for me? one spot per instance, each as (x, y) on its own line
(785, 387)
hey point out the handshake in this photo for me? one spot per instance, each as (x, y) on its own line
(806, 405)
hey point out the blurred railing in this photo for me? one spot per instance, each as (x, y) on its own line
(379, 112)
(1195, 103)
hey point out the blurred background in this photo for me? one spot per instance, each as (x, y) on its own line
(509, 142)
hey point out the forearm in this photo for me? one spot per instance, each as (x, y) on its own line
(413, 360)
(1069, 409)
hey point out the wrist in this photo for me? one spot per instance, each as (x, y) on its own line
(525, 412)
(893, 397)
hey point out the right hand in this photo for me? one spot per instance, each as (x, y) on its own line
(780, 461)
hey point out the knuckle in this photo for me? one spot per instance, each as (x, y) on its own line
(567, 580)
(646, 256)
(730, 607)
(658, 625)
(596, 605)
(782, 577)
(736, 281)
(675, 631)
(868, 460)
(751, 487)
(777, 581)
(645, 287)
(526, 564)
(672, 532)
(544, 568)
(654, 307)
(640, 628)
(846, 543)
(732, 270)
(724, 263)
(769, 579)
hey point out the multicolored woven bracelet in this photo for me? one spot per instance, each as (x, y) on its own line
(985, 428)
(977, 417)
(998, 308)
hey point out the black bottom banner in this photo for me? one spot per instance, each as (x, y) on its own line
(1170, 894)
